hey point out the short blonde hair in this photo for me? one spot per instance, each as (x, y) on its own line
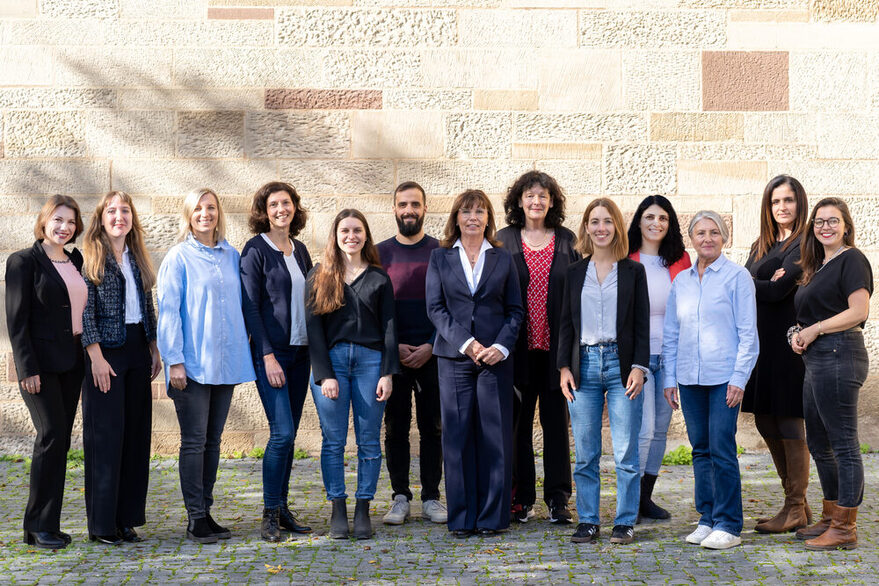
(189, 202)
(714, 217)
(619, 244)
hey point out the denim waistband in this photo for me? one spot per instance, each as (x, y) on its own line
(599, 346)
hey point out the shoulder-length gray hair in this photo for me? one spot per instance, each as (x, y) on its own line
(714, 217)
(189, 203)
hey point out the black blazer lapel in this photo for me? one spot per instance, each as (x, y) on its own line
(578, 275)
(453, 259)
(491, 258)
(625, 291)
(46, 264)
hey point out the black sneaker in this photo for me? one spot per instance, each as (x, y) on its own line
(521, 513)
(585, 533)
(622, 534)
(559, 513)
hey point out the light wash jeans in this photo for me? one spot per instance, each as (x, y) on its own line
(655, 420)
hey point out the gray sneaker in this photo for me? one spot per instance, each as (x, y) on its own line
(434, 511)
(399, 511)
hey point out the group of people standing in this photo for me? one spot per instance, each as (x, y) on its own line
(479, 326)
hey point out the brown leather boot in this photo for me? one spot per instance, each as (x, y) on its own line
(842, 534)
(776, 450)
(822, 525)
(794, 513)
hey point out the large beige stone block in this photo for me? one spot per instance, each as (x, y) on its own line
(176, 33)
(721, 177)
(405, 99)
(517, 28)
(480, 68)
(139, 133)
(769, 15)
(241, 13)
(80, 8)
(15, 419)
(652, 28)
(47, 177)
(16, 233)
(854, 10)
(343, 27)
(781, 128)
(210, 134)
(57, 32)
(396, 135)
(661, 80)
(297, 134)
(831, 177)
(247, 67)
(580, 81)
(575, 177)
(828, 81)
(746, 210)
(18, 9)
(312, 99)
(113, 67)
(681, 126)
(162, 231)
(555, 151)
(412, 3)
(178, 176)
(370, 69)
(744, 4)
(478, 135)
(593, 4)
(26, 66)
(731, 151)
(282, 2)
(744, 80)
(313, 178)
(162, 9)
(801, 35)
(863, 211)
(505, 100)
(45, 134)
(452, 177)
(641, 169)
(190, 99)
(540, 127)
(848, 136)
(57, 99)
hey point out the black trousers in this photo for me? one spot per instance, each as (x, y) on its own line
(52, 411)
(424, 383)
(477, 412)
(556, 443)
(116, 437)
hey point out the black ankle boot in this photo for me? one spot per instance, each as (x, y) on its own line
(44, 539)
(339, 520)
(217, 529)
(270, 528)
(289, 522)
(199, 531)
(648, 509)
(362, 524)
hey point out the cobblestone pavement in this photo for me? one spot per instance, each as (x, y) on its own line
(422, 552)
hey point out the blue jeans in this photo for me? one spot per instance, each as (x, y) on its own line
(283, 407)
(711, 428)
(600, 375)
(357, 369)
(655, 420)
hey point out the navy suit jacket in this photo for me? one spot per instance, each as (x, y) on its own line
(492, 315)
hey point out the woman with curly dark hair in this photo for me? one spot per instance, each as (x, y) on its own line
(542, 249)
(273, 269)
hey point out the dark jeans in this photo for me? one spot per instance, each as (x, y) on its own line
(201, 412)
(836, 367)
(52, 411)
(116, 434)
(283, 407)
(398, 420)
(556, 443)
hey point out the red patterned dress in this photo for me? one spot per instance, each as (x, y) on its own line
(539, 263)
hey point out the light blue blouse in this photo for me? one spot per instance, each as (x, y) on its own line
(710, 331)
(201, 324)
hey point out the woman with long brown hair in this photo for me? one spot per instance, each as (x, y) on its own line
(774, 393)
(352, 342)
(119, 335)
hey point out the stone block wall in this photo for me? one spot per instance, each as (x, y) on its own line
(700, 100)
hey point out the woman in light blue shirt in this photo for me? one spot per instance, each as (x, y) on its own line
(709, 347)
(203, 342)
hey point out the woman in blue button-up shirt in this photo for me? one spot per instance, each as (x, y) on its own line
(203, 342)
(709, 347)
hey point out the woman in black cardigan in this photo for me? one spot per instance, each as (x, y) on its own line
(542, 249)
(45, 296)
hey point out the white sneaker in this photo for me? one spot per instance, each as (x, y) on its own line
(435, 511)
(398, 512)
(721, 540)
(699, 535)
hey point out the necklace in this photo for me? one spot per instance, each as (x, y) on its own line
(547, 235)
(353, 273)
(832, 256)
(60, 262)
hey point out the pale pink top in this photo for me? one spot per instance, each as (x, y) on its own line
(76, 290)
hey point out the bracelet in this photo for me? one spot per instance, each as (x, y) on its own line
(820, 330)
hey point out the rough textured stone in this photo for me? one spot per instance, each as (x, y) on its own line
(758, 15)
(370, 69)
(56, 32)
(280, 2)
(517, 28)
(828, 81)
(242, 13)
(575, 177)
(714, 177)
(313, 178)
(781, 128)
(403, 99)
(696, 127)
(319, 27)
(57, 99)
(46, 177)
(453, 177)
(190, 99)
(741, 80)
(210, 134)
(113, 67)
(477, 136)
(308, 99)
(661, 80)
(130, 134)
(297, 135)
(695, 28)
(18, 9)
(726, 151)
(578, 127)
(176, 176)
(216, 33)
(80, 8)
(856, 10)
(247, 67)
(45, 134)
(505, 100)
(580, 81)
(163, 9)
(25, 66)
(831, 177)
(642, 169)
(538, 150)
(848, 136)
(480, 68)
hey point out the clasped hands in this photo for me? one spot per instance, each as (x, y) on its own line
(482, 355)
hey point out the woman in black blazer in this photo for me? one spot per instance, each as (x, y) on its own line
(45, 297)
(542, 249)
(473, 300)
(604, 350)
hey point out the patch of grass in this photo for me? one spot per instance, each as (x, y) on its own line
(300, 454)
(14, 458)
(740, 450)
(680, 456)
(866, 449)
(256, 452)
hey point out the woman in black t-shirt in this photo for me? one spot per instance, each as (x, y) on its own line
(832, 304)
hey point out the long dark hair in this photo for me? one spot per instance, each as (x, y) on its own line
(515, 215)
(769, 227)
(812, 251)
(671, 249)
